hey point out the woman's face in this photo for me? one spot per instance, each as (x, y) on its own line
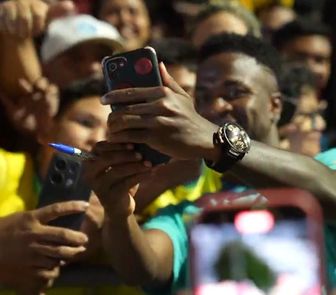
(131, 19)
(303, 133)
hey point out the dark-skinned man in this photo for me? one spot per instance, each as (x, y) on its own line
(238, 76)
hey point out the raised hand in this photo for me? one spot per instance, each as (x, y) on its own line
(33, 111)
(166, 121)
(28, 18)
(114, 175)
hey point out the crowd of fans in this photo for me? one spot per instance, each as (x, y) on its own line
(266, 65)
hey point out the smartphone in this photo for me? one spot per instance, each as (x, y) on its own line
(137, 68)
(64, 182)
(272, 250)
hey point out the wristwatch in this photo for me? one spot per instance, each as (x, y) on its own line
(234, 143)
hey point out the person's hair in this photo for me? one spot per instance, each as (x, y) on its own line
(294, 78)
(78, 90)
(300, 27)
(236, 9)
(175, 51)
(98, 4)
(256, 48)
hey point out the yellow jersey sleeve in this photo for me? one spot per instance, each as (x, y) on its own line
(17, 192)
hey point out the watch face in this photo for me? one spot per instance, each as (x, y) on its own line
(237, 137)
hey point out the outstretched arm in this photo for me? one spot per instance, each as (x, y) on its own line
(266, 166)
(168, 122)
(139, 257)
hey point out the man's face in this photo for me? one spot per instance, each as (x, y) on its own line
(233, 87)
(79, 62)
(313, 50)
(185, 77)
(131, 19)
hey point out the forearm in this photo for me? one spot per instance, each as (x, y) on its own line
(131, 254)
(265, 166)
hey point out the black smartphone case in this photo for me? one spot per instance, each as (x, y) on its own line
(137, 68)
(64, 182)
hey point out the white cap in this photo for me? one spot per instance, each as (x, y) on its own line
(67, 32)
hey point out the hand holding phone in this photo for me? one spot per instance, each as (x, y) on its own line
(64, 182)
(137, 68)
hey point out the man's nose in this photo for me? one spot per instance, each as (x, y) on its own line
(220, 105)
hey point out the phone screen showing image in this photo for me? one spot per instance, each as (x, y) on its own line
(255, 252)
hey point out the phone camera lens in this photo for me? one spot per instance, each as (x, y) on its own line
(112, 67)
(73, 168)
(56, 178)
(60, 164)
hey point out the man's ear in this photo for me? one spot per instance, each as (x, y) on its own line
(276, 106)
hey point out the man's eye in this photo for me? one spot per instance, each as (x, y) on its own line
(234, 93)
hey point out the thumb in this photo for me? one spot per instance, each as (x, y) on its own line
(169, 80)
(51, 212)
(61, 8)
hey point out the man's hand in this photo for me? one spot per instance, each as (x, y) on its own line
(27, 243)
(162, 117)
(27, 240)
(114, 175)
(32, 112)
(28, 18)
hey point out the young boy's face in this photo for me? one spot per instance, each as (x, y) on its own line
(82, 124)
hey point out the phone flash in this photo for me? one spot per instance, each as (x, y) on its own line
(254, 222)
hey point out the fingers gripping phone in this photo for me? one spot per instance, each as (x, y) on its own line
(137, 68)
(64, 182)
(273, 250)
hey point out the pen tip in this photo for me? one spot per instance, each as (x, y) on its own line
(54, 145)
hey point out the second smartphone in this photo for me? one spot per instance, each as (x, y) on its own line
(137, 68)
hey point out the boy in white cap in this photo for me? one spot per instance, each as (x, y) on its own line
(74, 47)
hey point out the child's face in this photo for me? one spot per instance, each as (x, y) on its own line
(82, 124)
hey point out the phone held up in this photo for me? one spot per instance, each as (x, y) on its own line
(276, 249)
(64, 182)
(137, 68)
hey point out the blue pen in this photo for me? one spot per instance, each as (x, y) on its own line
(70, 150)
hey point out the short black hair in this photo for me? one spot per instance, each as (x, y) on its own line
(175, 51)
(78, 90)
(262, 52)
(299, 27)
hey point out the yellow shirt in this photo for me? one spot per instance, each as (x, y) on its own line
(17, 191)
(208, 182)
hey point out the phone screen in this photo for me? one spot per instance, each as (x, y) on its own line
(255, 252)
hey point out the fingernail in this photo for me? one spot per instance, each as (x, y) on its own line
(62, 263)
(138, 156)
(163, 65)
(85, 204)
(147, 164)
(104, 100)
(85, 239)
